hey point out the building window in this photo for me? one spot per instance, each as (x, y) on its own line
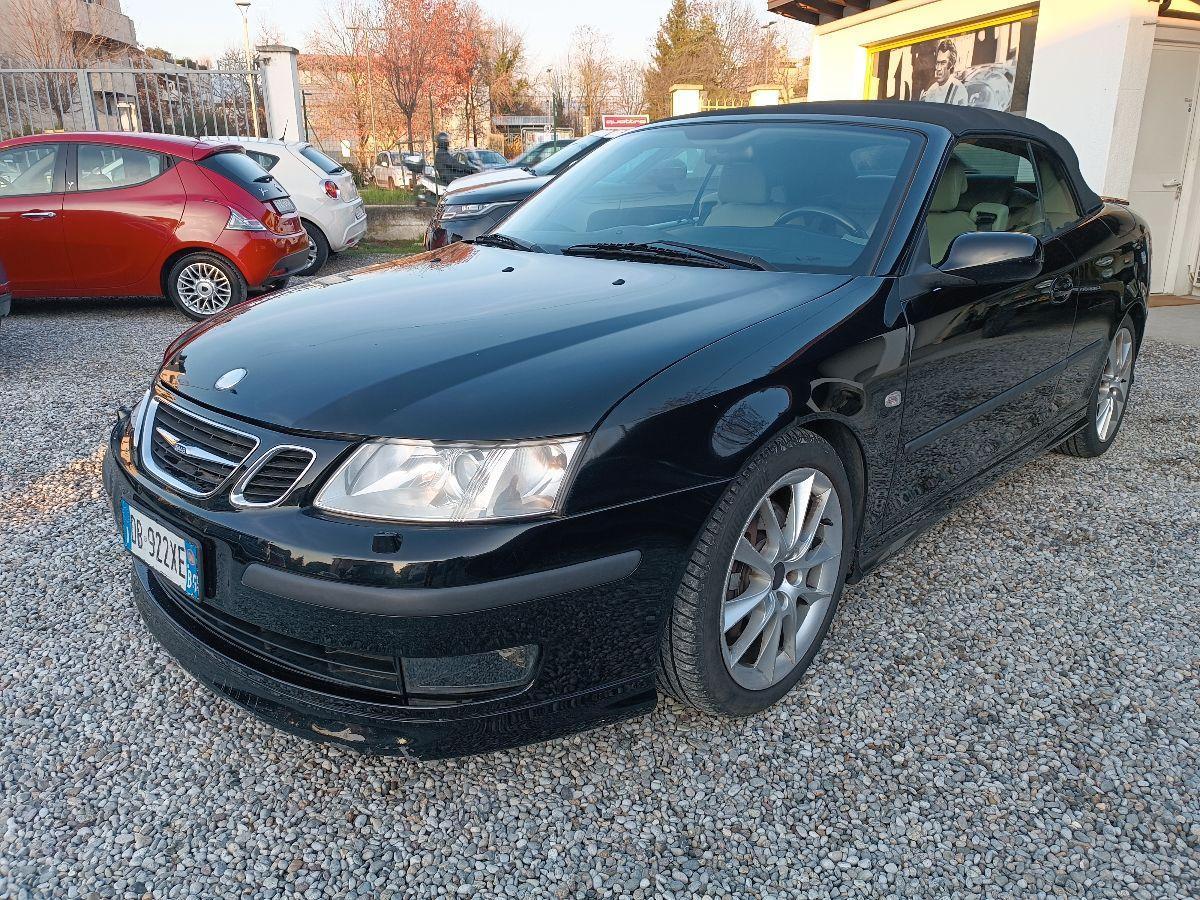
(984, 64)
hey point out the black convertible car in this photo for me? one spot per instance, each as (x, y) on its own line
(639, 439)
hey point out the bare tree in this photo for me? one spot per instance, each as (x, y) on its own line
(52, 34)
(344, 67)
(593, 72)
(753, 54)
(629, 87)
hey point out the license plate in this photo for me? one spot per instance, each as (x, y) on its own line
(360, 213)
(170, 555)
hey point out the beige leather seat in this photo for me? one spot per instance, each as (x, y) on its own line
(946, 221)
(743, 198)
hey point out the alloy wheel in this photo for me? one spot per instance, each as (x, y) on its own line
(781, 579)
(1114, 384)
(203, 288)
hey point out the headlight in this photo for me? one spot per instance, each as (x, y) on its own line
(423, 481)
(465, 210)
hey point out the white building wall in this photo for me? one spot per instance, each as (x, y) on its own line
(1090, 63)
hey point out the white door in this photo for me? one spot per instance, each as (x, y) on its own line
(1158, 166)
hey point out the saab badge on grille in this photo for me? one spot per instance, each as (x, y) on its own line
(230, 379)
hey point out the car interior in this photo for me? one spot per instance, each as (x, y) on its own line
(27, 170)
(991, 186)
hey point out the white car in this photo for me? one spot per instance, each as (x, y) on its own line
(389, 170)
(324, 192)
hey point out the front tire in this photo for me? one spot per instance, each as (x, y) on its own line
(763, 581)
(204, 284)
(318, 251)
(1110, 397)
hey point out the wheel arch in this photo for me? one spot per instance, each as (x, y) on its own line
(175, 256)
(849, 448)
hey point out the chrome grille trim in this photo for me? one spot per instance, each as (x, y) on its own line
(236, 497)
(146, 444)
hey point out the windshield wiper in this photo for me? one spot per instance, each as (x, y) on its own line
(673, 251)
(506, 242)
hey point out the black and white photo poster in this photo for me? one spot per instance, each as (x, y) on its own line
(986, 65)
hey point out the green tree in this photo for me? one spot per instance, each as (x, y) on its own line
(687, 49)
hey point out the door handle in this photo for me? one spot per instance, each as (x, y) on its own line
(1174, 183)
(39, 214)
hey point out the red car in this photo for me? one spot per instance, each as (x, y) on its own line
(102, 215)
(5, 293)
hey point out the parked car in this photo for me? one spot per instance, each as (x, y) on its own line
(102, 215)
(540, 152)
(476, 203)
(578, 149)
(475, 159)
(323, 190)
(641, 437)
(389, 170)
(5, 292)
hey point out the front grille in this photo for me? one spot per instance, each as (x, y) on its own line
(305, 663)
(274, 477)
(193, 453)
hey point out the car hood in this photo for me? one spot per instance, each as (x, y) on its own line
(470, 342)
(489, 176)
(509, 191)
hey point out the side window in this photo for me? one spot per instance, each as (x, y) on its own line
(988, 185)
(1058, 200)
(102, 167)
(381, 159)
(266, 160)
(28, 170)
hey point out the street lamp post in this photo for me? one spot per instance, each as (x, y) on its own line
(550, 104)
(244, 6)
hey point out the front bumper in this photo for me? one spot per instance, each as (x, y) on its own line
(591, 592)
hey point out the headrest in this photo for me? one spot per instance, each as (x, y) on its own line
(742, 184)
(950, 188)
(136, 169)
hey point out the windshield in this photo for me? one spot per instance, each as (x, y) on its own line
(569, 154)
(799, 196)
(321, 161)
(489, 158)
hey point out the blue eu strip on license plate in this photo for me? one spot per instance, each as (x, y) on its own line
(167, 553)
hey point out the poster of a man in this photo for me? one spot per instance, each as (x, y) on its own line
(945, 88)
(986, 65)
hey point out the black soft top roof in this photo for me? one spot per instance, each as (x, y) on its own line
(959, 120)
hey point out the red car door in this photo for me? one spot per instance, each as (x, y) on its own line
(125, 207)
(32, 237)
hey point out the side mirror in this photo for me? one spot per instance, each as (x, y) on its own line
(994, 257)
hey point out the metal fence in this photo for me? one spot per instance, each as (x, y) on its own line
(169, 101)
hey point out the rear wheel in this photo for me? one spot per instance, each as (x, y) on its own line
(763, 581)
(1109, 398)
(391, 184)
(204, 284)
(318, 250)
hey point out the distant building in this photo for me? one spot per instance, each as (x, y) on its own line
(71, 30)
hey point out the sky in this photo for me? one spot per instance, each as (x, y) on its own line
(206, 28)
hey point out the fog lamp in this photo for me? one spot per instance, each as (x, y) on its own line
(495, 670)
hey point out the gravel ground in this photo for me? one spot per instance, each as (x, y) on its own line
(1008, 708)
